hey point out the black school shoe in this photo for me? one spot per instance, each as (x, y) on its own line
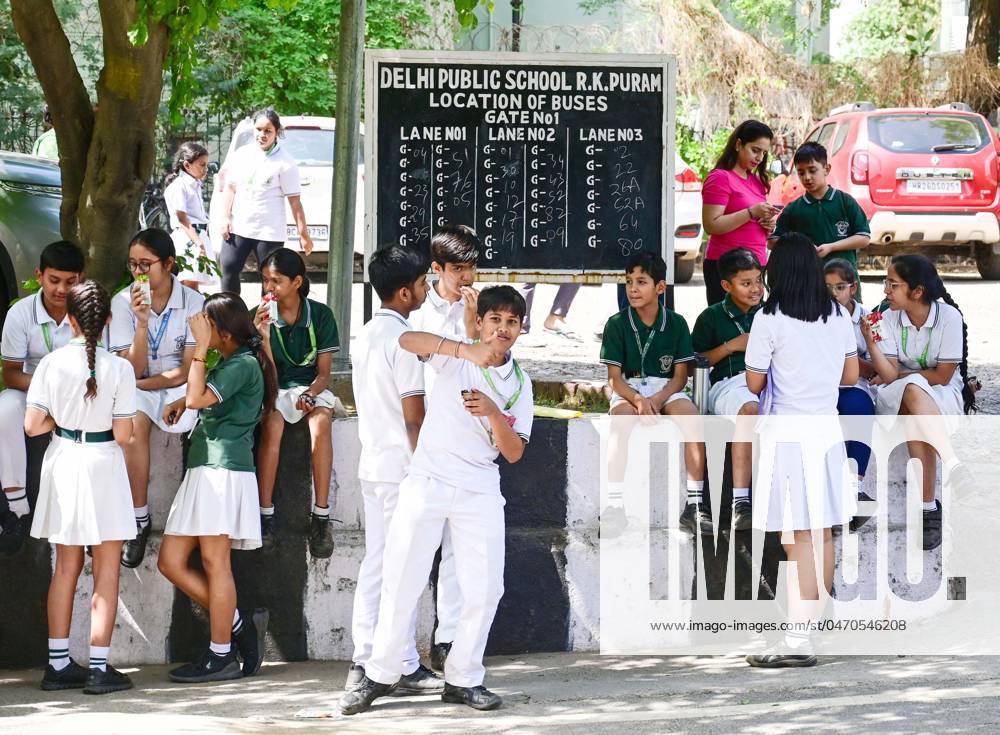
(360, 699)
(320, 536)
(13, 532)
(439, 654)
(742, 514)
(478, 697)
(421, 681)
(932, 527)
(208, 668)
(696, 515)
(781, 661)
(105, 682)
(134, 550)
(354, 677)
(72, 676)
(249, 642)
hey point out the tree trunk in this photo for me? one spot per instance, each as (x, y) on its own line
(984, 28)
(106, 153)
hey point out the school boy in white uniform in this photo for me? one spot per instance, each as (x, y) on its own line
(34, 327)
(450, 311)
(389, 395)
(481, 407)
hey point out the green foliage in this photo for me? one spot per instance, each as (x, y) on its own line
(286, 56)
(784, 19)
(700, 153)
(884, 27)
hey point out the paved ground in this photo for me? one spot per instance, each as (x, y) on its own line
(568, 693)
(552, 357)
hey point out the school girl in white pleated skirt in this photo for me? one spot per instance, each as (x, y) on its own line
(86, 397)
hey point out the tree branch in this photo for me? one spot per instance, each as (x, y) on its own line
(43, 37)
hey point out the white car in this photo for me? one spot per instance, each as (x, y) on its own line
(687, 220)
(310, 141)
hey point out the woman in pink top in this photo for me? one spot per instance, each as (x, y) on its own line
(735, 212)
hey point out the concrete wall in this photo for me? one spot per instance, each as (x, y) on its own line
(551, 602)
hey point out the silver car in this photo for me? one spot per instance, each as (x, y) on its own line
(30, 195)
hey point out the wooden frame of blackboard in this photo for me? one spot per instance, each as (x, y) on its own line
(666, 62)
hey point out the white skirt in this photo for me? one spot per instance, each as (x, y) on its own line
(153, 402)
(890, 397)
(184, 246)
(83, 496)
(646, 389)
(803, 480)
(213, 501)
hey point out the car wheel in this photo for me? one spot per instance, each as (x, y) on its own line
(988, 262)
(683, 269)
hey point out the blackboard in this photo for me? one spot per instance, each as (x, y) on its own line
(563, 164)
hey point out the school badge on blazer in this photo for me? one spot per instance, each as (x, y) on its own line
(665, 362)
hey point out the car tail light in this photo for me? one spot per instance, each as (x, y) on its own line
(687, 180)
(688, 231)
(859, 167)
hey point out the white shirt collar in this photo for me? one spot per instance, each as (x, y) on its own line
(42, 316)
(506, 369)
(932, 318)
(392, 315)
(178, 299)
(439, 302)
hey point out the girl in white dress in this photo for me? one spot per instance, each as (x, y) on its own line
(801, 350)
(86, 397)
(925, 337)
(215, 509)
(186, 207)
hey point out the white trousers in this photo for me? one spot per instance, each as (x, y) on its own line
(449, 596)
(476, 523)
(380, 500)
(13, 454)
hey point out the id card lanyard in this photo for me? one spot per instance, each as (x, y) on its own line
(517, 393)
(154, 342)
(643, 349)
(922, 359)
(47, 336)
(312, 346)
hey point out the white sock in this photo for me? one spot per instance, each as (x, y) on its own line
(694, 488)
(220, 649)
(931, 505)
(320, 511)
(58, 653)
(268, 511)
(616, 494)
(17, 501)
(237, 622)
(99, 657)
(741, 493)
(142, 516)
(797, 640)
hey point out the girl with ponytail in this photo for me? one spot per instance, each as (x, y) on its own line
(926, 340)
(86, 397)
(215, 509)
(186, 207)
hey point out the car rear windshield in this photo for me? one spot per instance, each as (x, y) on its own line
(928, 133)
(308, 146)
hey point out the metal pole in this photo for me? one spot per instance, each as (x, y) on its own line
(340, 269)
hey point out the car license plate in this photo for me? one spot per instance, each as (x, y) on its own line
(917, 186)
(316, 232)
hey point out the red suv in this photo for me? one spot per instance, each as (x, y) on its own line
(926, 178)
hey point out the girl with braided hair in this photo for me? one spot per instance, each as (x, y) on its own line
(926, 340)
(86, 397)
(215, 508)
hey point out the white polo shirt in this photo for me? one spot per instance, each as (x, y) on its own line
(61, 380)
(455, 447)
(167, 331)
(938, 340)
(184, 195)
(262, 181)
(30, 333)
(804, 361)
(439, 316)
(384, 374)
